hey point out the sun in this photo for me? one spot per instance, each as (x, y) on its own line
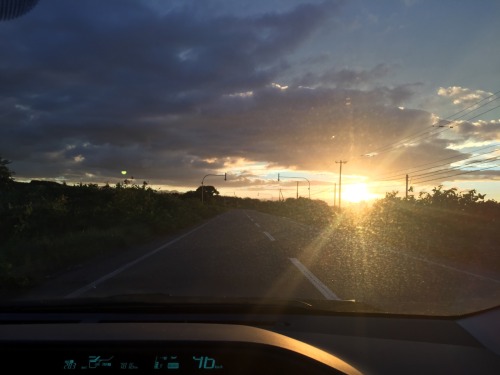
(356, 193)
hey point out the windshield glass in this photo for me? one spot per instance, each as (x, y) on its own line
(305, 150)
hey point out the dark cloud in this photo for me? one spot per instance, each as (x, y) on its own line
(91, 88)
(346, 78)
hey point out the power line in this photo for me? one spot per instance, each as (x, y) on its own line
(424, 134)
(395, 175)
(439, 160)
(461, 172)
(421, 178)
(447, 170)
(458, 174)
(402, 142)
(421, 137)
(430, 134)
(474, 104)
(322, 191)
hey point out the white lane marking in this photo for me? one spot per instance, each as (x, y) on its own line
(93, 284)
(323, 289)
(445, 266)
(269, 236)
(257, 225)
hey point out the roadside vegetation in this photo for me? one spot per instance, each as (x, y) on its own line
(459, 228)
(47, 227)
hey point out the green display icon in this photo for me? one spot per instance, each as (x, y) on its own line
(166, 362)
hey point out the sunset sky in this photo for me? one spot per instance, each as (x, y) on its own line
(174, 92)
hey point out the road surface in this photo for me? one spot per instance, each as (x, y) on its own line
(245, 253)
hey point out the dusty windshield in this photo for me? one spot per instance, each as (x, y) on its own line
(289, 150)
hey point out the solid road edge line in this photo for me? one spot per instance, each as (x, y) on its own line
(130, 264)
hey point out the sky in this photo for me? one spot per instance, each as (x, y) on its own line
(275, 95)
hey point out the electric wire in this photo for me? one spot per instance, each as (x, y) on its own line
(462, 173)
(420, 136)
(447, 170)
(462, 157)
(424, 134)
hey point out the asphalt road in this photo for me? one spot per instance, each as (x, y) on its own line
(244, 253)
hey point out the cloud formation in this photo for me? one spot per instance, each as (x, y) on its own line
(173, 92)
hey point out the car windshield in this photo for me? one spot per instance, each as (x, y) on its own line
(341, 154)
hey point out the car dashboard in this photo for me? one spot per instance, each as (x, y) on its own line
(251, 343)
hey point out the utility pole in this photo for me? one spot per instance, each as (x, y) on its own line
(406, 187)
(340, 179)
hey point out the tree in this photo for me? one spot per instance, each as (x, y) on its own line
(5, 172)
(208, 193)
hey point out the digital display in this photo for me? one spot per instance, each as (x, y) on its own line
(207, 363)
(160, 362)
(147, 358)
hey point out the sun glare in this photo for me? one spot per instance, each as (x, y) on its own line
(356, 193)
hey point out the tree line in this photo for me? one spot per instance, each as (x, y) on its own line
(47, 226)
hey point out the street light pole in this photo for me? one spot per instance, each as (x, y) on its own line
(203, 187)
(340, 179)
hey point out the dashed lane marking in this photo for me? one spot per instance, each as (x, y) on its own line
(322, 288)
(269, 236)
